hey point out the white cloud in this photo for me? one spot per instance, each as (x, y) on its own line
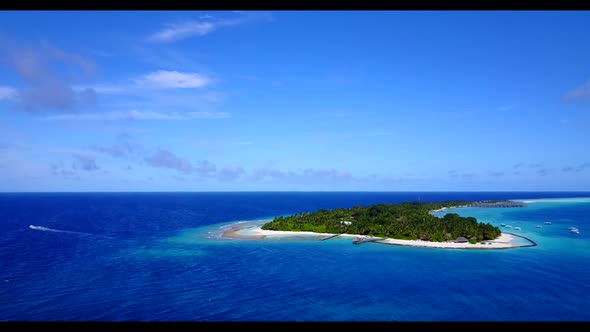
(205, 25)
(160, 80)
(164, 79)
(183, 30)
(140, 115)
(7, 93)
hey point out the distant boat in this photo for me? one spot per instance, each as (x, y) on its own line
(508, 226)
(517, 228)
(570, 228)
(547, 222)
(539, 226)
(502, 224)
(575, 231)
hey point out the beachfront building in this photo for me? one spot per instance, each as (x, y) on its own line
(461, 239)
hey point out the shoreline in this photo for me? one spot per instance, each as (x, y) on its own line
(233, 234)
(504, 241)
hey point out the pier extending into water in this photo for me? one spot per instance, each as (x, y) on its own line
(364, 239)
(324, 238)
(533, 243)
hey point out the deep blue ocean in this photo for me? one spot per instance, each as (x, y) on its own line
(159, 257)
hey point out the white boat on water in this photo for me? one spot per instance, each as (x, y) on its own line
(574, 230)
(517, 228)
(539, 226)
(508, 226)
(547, 222)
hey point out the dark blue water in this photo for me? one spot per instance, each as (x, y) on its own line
(151, 257)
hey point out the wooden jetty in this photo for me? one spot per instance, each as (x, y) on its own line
(364, 239)
(324, 238)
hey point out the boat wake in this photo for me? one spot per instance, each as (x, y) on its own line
(47, 229)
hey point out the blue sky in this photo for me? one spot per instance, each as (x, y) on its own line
(294, 100)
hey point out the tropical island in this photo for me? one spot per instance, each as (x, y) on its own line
(409, 223)
(405, 221)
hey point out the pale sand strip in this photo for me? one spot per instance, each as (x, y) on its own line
(502, 242)
(233, 233)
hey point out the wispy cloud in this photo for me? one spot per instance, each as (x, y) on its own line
(43, 86)
(203, 26)
(205, 168)
(166, 159)
(305, 175)
(455, 174)
(176, 31)
(495, 173)
(119, 129)
(543, 171)
(581, 93)
(45, 149)
(231, 173)
(467, 176)
(84, 162)
(164, 79)
(64, 172)
(267, 173)
(8, 93)
(518, 165)
(157, 80)
(576, 169)
(121, 149)
(326, 174)
(139, 115)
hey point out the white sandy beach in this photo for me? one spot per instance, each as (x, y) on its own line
(504, 241)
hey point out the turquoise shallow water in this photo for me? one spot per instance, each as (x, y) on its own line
(159, 257)
(562, 213)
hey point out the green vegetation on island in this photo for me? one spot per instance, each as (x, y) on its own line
(408, 221)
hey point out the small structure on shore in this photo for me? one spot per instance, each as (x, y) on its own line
(461, 239)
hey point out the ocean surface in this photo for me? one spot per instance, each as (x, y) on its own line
(161, 257)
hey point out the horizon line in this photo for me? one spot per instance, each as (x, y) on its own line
(293, 191)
